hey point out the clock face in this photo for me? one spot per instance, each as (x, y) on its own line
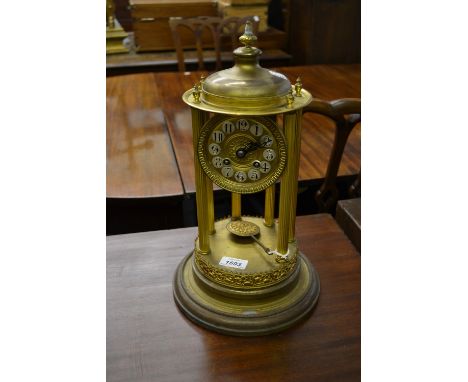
(242, 154)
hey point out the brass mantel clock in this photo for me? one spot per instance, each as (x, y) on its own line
(246, 275)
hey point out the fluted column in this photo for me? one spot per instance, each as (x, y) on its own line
(236, 207)
(210, 203)
(288, 190)
(270, 206)
(199, 117)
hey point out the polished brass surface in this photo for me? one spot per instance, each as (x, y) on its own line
(239, 107)
(269, 206)
(288, 189)
(246, 88)
(293, 125)
(210, 206)
(236, 206)
(246, 313)
(261, 270)
(228, 144)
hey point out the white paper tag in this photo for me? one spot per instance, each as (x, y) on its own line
(233, 263)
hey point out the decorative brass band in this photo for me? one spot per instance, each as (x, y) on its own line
(244, 103)
(244, 280)
(232, 107)
(231, 185)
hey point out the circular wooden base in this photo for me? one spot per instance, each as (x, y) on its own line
(231, 314)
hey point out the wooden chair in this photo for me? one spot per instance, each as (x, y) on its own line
(217, 28)
(346, 113)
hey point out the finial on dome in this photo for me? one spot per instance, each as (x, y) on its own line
(248, 38)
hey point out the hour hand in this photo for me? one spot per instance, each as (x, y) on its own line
(242, 152)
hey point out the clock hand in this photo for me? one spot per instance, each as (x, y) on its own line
(242, 152)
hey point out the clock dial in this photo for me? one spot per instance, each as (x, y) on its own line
(242, 154)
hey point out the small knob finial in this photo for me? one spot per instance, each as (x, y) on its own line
(298, 87)
(248, 38)
(196, 92)
(290, 98)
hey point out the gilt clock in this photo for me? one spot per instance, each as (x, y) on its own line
(246, 275)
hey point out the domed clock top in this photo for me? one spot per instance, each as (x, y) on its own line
(246, 88)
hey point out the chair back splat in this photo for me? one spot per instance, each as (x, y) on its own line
(346, 114)
(217, 27)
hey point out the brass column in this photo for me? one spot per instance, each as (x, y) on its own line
(270, 206)
(199, 117)
(295, 166)
(209, 196)
(236, 210)
(288, 190)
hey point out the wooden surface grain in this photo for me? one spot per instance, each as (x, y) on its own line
(140, 158)
(140, 105)
(327, 82)
(148, 339)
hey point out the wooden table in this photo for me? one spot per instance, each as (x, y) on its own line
(149, 143)
(148, 339)
(323, 81)
(348, 217)
(140, 158)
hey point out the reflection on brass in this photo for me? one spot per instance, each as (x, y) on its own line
(230, 283)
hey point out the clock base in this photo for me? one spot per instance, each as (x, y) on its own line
(265, 314)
